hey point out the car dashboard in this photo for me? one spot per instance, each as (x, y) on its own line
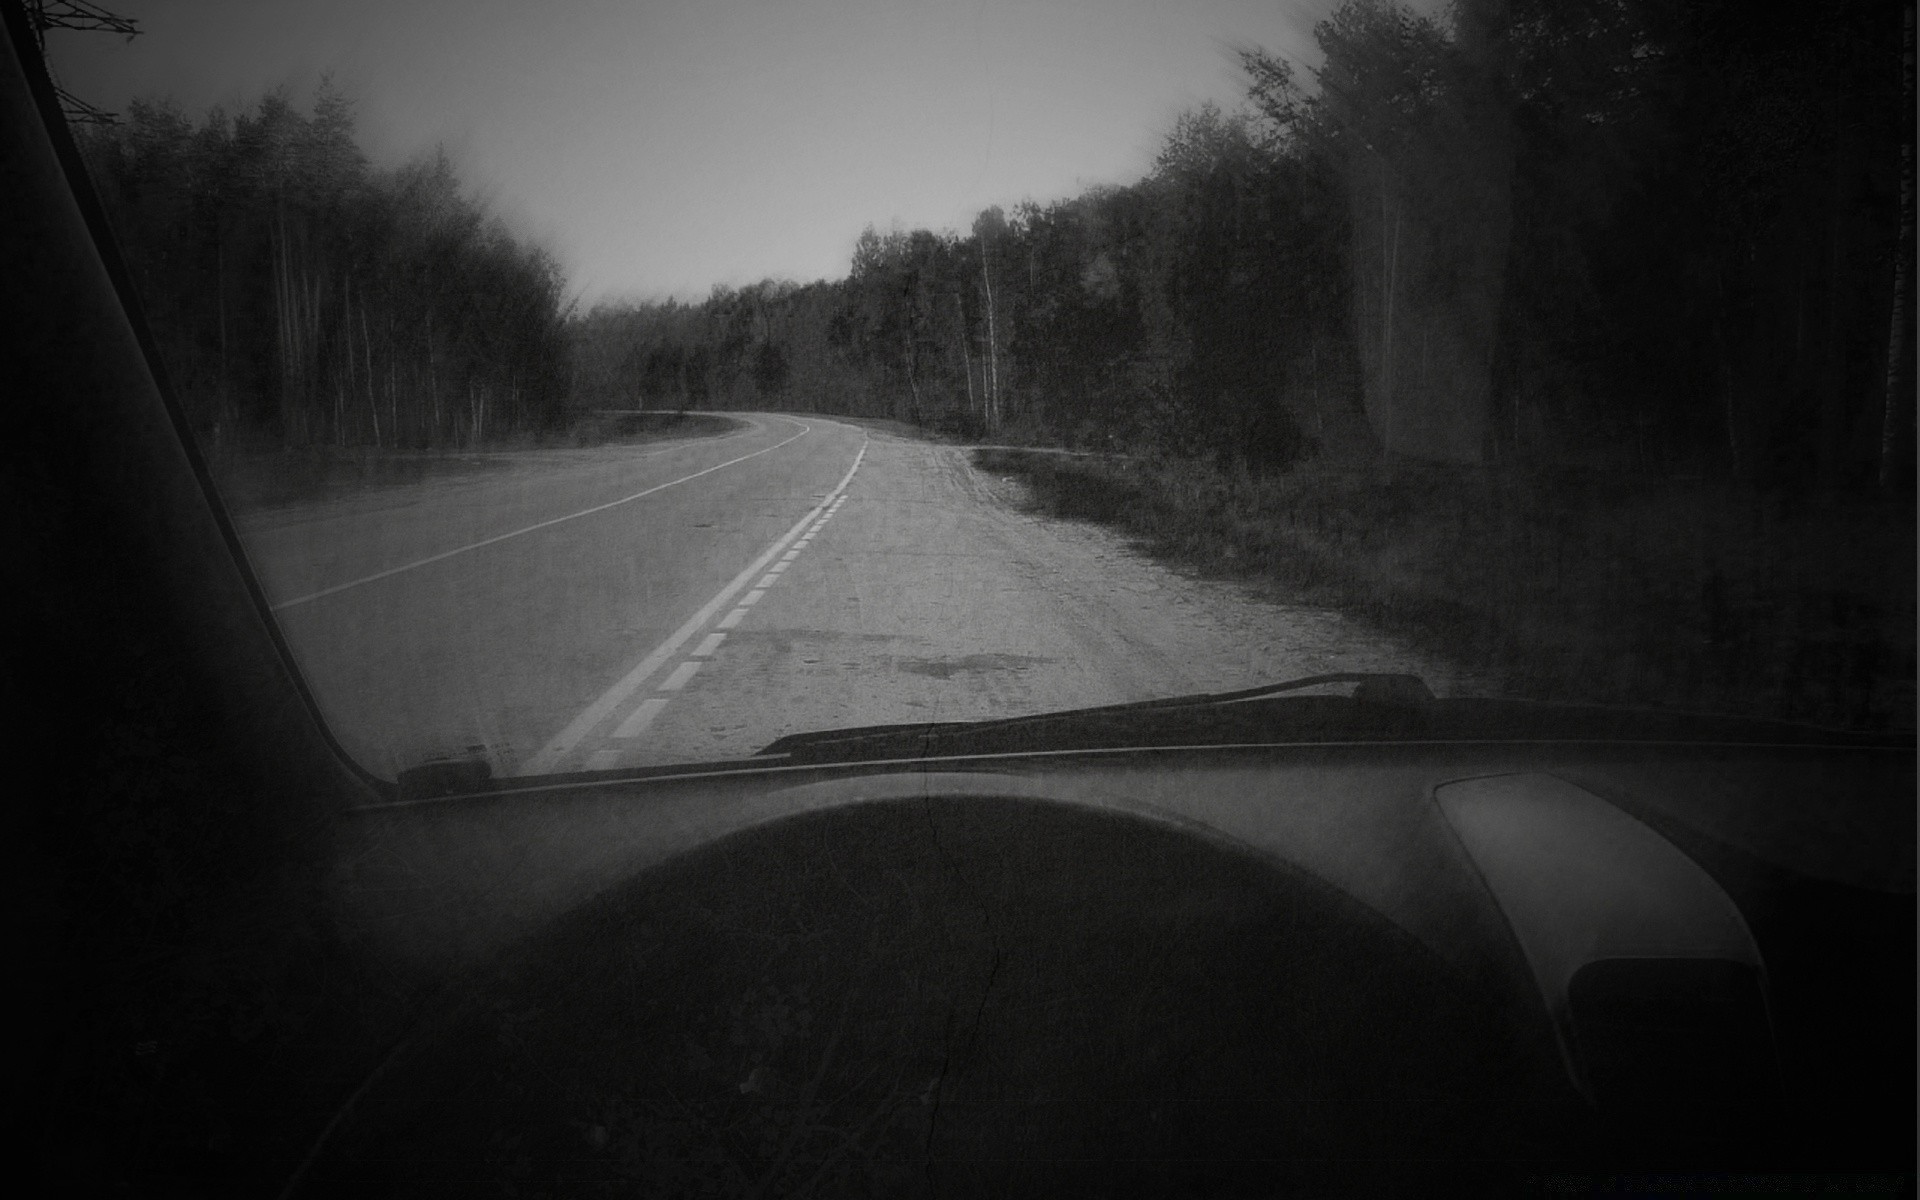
(1250, 970)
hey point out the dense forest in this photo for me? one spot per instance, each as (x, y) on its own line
(1650, 237)
(300, 297)
(1667, 239)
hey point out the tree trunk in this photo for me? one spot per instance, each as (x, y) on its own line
(913, 381)
(1386, 340)
(966, 358)
(1833, 449)
(315, 292)
(1727, 410)
(373, 407)
(433, 383)
(993, 351)
(366, 345)
(1896, 402)
(345, 380)
(283, 321)
(220, 290)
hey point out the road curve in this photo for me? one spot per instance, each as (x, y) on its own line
(694, 601)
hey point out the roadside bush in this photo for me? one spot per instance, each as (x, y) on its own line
(1567, 586)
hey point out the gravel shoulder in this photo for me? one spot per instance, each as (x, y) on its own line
(935, 595)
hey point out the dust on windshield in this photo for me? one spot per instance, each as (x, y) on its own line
(716, 378)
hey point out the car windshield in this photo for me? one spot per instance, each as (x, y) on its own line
(597, 386)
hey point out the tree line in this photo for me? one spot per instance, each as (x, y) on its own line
(1663, 237)
(1643, 235)
(300, 297)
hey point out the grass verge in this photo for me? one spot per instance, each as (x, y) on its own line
(260, 474)
(1677, 593)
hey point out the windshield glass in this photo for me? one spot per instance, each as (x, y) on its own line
(598, 386)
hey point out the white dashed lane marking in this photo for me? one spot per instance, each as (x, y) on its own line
(787, 548)
(642, 717)
(681, 674)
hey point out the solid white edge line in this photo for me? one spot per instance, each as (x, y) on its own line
(563, 742)
(257, 521)
(805, 429)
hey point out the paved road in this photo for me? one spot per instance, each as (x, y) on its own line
(690, 601)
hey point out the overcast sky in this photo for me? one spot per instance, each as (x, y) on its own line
(663, 146)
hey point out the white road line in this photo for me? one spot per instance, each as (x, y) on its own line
(709, 644)
(681, 674)
(733, 618)
(501, 537)
(789, 556)
(752, 598)
(767, 582)
(590, 718)
(778, 567)
(642, 717)
(264, 521)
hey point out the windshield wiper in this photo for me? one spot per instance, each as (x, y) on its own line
(1379, 703)
(1380, 707)
(1370, 687)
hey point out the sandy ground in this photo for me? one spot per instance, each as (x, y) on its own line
(932, 596)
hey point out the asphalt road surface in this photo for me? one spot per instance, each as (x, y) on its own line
(688, 601)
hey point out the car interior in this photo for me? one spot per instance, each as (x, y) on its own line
(1358, 942)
